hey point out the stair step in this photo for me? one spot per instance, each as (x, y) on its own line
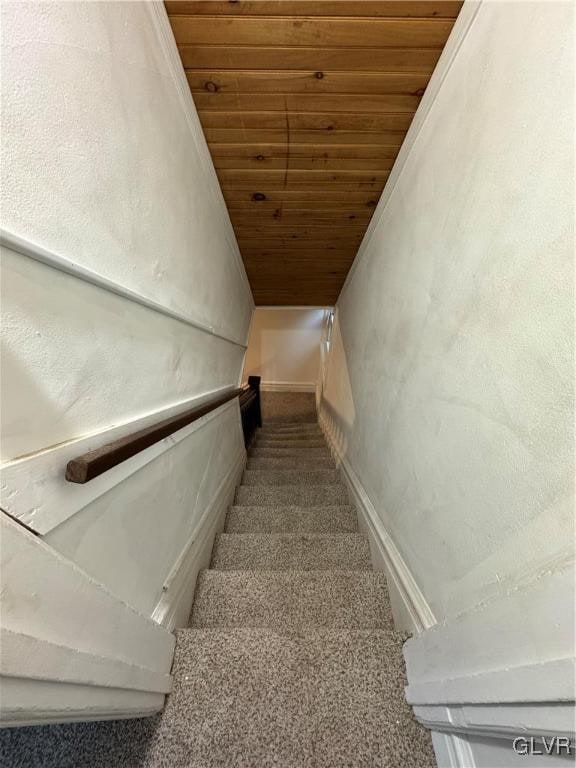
(289, 462)
(267, 452)
(292, 436)
(291, 429)
(291, 477)
(296, 551)
(281, 442)
(301, 495)
(255, 697)
(292, 600)
(318, 699)
(292, 519)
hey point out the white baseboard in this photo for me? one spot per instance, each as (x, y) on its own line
(173, 608)
(409, 607)
(288, 386)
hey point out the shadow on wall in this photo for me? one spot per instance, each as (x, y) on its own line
(336, 409)
(21, 384)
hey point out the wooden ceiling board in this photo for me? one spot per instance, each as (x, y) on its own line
(299, 31)
(326, 138)
(296, 151)
(263, 162)
(305, 104)
(289, 82)
(357, 8)
(310, 121)
(254, 57)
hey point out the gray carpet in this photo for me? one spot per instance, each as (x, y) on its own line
(291, 477)
(313, 495)
(288, 407)
(290, 659)
(300, 600)
(292, 519)
(290, 462)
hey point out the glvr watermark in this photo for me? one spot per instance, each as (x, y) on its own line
(554, 745)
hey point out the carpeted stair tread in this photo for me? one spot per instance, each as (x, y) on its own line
(310, 430)
(287, 424)
(300, 428)
(302, 495)
(319, 699)
(298, 437)
(291, 477)
(292, 600)
(291, 442)
(266, 452)
(284, 551)
(291, 519)
(290, 462)
(244, 698)
(291, 661)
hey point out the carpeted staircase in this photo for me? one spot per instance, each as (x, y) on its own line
(290, 659)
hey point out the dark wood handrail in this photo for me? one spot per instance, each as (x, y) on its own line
(84, 468)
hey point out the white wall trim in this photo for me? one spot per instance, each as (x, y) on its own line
(546, 681)
(25, 247)
(161, 23)
(457, 36)
(50, 661)
(415, 603)
(503, 721)
(499, 670)
(452, 751)
(36, 492)
(197, 551)
(288, 386)
(69, 645)
(43, 702)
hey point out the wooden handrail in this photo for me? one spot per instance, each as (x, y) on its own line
(84, 468)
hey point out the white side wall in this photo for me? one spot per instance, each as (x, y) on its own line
(448, 389)
(450, 377)
(105, 167)
(284, 348)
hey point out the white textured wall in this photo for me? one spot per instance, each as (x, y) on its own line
(105, 164)
(449, 384)
(284, 346)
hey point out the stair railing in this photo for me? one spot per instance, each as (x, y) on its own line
(89, 465)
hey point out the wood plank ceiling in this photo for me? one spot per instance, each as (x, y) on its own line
(305, 104)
